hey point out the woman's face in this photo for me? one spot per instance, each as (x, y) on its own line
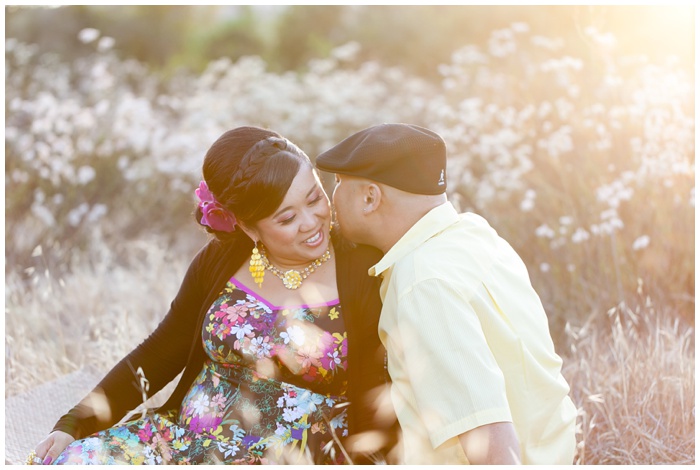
(298, 231)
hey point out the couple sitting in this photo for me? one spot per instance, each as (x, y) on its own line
(408, 333)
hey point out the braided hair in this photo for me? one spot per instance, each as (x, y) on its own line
(249, 170)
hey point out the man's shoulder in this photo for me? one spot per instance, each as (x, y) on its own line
(460, 250)
(463, 237)
(473, 220)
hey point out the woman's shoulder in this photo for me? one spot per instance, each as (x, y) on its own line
(212, 249)
(358, 254)
(217, 254)
(354, 262)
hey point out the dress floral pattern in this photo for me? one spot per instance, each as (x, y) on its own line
(272, 391)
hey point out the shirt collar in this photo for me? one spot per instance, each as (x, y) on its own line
(435, 221)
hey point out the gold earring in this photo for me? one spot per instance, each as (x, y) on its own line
(257, 270)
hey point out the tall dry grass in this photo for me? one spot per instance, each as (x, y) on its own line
(633, 380)
(632, 374)
(56, 323)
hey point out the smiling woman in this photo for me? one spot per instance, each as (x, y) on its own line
(266, 367)
(299, 229)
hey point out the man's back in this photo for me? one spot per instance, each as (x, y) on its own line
(469, 343)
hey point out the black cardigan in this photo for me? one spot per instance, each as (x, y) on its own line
(176, 342)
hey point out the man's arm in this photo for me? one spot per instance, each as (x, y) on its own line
(494, 443)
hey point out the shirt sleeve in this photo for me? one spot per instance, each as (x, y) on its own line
(161, 356)
(455, 378)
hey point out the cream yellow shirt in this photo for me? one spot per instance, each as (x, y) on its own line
(468, 343)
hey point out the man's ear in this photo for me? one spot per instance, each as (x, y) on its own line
(371, 198)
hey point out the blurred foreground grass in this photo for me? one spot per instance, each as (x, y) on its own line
(633, 379)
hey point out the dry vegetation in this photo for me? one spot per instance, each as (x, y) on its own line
(632, 374)
(585, 165)
(92, 316)
(634, 382)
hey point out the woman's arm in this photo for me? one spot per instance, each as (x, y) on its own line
(161, 356)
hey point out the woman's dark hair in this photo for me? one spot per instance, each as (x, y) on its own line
(249, 171)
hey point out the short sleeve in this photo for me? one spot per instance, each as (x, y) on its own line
(455, 378)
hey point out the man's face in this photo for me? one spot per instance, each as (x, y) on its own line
(347, 202)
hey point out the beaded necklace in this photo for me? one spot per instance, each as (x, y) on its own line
(292, 279)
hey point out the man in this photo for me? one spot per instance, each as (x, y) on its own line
(475, 378)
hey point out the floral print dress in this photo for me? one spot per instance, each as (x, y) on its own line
(270, 392)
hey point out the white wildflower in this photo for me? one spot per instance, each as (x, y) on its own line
(19, 176)
(566, 220)
(85, 174)
(347, 51)
(544, 231)
(552, 44)
(469, 55)
(106, 43)
(545, 109)
(559, 142)
(580, 235)
(520, 27)
(501, 43)
(97, 212)
(88, 35)
(449, 84)
(641, 242)
(76, 214)
(529, 200)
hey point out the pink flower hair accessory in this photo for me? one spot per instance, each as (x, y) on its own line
(214, 215)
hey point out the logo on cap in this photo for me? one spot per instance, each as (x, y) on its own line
(441, 182)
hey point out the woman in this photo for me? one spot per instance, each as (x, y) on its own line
(273, 328)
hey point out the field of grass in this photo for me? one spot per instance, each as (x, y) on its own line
(586, 165)
(632, 375)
